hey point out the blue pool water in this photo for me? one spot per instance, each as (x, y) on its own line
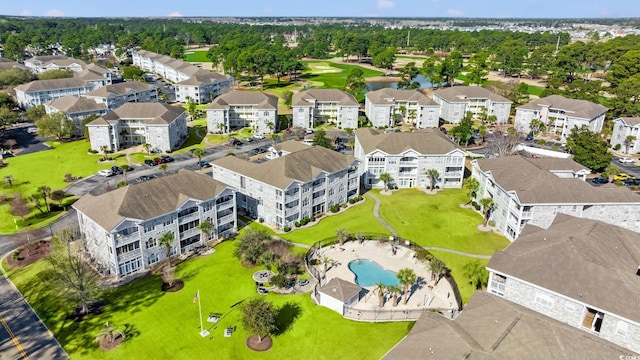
(369, 273)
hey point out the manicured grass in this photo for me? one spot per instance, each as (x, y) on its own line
(165, 325)
(535, 90)
(357, 218)
(455, 263)
(438, 220)
(197, 56)
(321, 75)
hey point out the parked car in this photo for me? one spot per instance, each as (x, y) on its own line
(116, 170)
(262, 291)
(105, 172)
(258, 136)
(303, 282)
(158, 160)
(622, 177)
(631, 182)
(145, 178)
(626, 160)
(167, 158)
(599, 180)
(529, 137)
(204, 164)
(32, 130)
(309, 131)
(150, 162)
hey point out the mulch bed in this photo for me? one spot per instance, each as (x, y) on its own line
(176, 286)
(105, 345)
(30, 253)
(254, 344)
(94, 308)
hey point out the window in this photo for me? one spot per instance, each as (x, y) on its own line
(168, 221)
(150, 243)
(127, 248)
(545, 300)
(497, 285)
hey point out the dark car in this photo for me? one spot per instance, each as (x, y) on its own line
(529, 137)
(599, 180)
(204, 164)
(631, 182)
(167, 158)
(116, 170)
(145, 178)
(150, 162)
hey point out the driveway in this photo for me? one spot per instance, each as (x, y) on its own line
(28, 143)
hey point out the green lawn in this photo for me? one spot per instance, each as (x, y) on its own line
(165, 325)
(455, 263)
(197, 56)
(438, 220)
(329, 75)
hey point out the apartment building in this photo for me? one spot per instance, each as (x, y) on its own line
(40, 64)
(191, 82)
(407, 156)
(113, 96)
(626, 132)
(239, 109)
(390, 107)
(318, 106)
(291, 187)
(582, 272)
(10, 64)
(560, 115)
(163, 126)
(456, 101)
(121, 228)
(76, 109)
(533, 191)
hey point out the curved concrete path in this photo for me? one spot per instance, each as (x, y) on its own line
(376, 213)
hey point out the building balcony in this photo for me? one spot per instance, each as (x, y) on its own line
(188, 218)
(130, 255)
(123, 240)
(226, 219)
(453, 174)
(291, 211)
(225, 205)
(188, 233)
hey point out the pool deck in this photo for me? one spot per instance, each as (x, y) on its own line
(423, 295)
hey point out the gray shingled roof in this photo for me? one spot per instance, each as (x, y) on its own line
(71, 104)
(42, 85)
(291, 146)
(148, 199)
(306, 98)
(582, 109)
(302, 165)
(203, 77)
(630, 121)
(150, 113)
(256, 98)
(424, 141)
(462, 93)
(535, 185)
(120, 89)
(587, 260)
(197, 75)
(340, 289)
(387, 96)
(492, 328)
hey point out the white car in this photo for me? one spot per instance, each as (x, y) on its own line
(105, 172)
(32, 130)
(258, 136)
(626, 160)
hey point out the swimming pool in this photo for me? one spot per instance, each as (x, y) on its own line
(369, 273)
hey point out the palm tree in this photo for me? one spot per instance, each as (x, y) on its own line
(407, 277)
(45, 192)
(477, 274)
(435, 266)
(105, 152)
(628, 141)
(274, 137)
(610, 172)
(125, 169)
(109, 333)
(163, 168)
(434, 176)
(199, 153)
(381, 290)
(342, 236)
(471, 185)
(386, 178)
(166, 241)
(206, 228)
(270, 126)
(147, 148)
(395, 290)
(220, 128)
(487, 204)
(326, 261)
(361, 237)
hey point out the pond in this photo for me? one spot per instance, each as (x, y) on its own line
(377, 85)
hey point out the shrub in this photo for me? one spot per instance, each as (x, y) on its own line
(491, 223)
(334, 208)
(423, 255)
(314, 262)
(92, 151)
(279, 280)
(436, 187)
(617, 147)
(296, 224)
(287, 228)
(352, 201)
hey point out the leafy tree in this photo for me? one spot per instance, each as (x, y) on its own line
(58, 195)
(320, 139)
(406, 277)
(287, 97)
(354, 84)
(132, 72)
(206, 228)
(386, 179)
(463, 132)
(624, 67)
(56, 74)
(433, 176)
(71, 275)
(7, 116)
(477, 68)
(476, 273)
(270, 260)
(199, 153)
(510, 56)
(259, 317)
(451, 67)
(385, 59)
(487, 205)
(407, 74)
(56, 125)
(14, 47)
(36, 113)
(15, 76)
(588, 148)
(431, 70)
(251, 245)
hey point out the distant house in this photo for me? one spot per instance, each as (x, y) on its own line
(38, 92)
(76, 108)
(533, 191)
(317, 106)
(291, 187)
(560, 115)
(386, 107)
(407, 156)
(238, 109)
(40, 64)
(9, 64)
(191, 82)
(113, 96)
(623, 128)
(456, 101)
(162, 126)
(491, 328)
(581, 272)
(121, 228)
(338, 294)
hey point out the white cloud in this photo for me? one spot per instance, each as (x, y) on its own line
(54, 12)
(453, 12)
(175, 14)
(385, 4)
(25, 12)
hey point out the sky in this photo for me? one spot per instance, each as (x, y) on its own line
(326, 8)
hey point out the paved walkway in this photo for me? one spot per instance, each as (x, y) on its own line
(376, 213)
